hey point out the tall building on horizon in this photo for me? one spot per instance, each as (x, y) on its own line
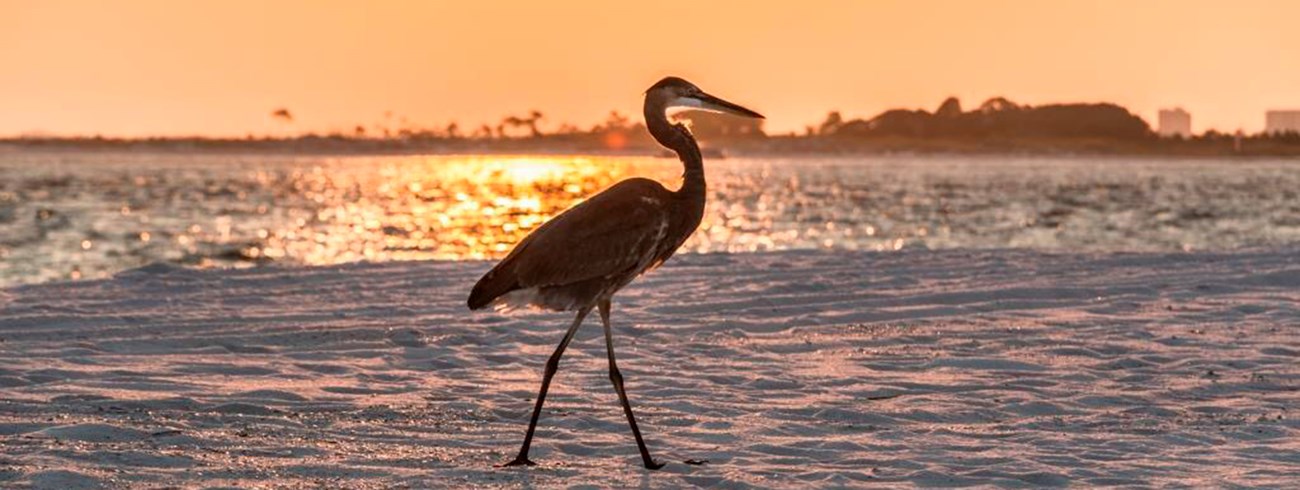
(1175, 122)
(1282, 121)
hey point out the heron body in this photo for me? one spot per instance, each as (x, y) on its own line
(578, 260)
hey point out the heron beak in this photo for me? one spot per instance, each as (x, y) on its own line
(708, 102)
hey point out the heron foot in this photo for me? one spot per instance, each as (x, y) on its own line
(519, 461)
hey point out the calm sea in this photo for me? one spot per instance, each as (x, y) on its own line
(89, 215)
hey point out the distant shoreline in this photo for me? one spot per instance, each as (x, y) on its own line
(996, 127)
(748, 147)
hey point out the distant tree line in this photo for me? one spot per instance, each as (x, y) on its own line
(997, 125)
(995, 118)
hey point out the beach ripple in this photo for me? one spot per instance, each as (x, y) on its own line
(1008, 369)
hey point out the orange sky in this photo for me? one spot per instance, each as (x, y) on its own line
(134, 68)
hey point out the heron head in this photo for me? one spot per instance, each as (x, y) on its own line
(673, 92)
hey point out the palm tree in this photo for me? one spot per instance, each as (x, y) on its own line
(532, 120)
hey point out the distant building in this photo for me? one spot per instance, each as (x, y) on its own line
(1175, 122)
(1282, 121)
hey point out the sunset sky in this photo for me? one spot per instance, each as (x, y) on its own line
(135, 68)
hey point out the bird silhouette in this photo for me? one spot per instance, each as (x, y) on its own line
(581, 258)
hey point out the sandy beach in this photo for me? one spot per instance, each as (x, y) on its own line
(958, 368)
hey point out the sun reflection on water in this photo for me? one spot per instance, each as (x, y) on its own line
(457, 208)
(92, 215)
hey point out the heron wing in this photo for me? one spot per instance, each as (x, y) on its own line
(613, 232)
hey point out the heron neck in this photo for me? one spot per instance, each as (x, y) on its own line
(678, 139)
(693, 166)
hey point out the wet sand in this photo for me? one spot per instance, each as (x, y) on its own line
(794, 369)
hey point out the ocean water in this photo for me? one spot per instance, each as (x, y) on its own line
(69, 215)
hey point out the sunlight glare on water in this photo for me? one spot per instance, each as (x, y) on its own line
(446, 208)
(88, 215)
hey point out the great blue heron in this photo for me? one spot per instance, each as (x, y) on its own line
(579, 259)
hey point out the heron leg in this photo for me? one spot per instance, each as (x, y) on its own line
(552, 365)
(617, 378)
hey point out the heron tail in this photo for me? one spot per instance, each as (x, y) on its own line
(493, 285)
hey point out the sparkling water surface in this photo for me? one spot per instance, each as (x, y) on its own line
(89, 215)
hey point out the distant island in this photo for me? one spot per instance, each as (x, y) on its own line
(998, 126)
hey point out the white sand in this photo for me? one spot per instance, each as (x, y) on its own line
(957, 368)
